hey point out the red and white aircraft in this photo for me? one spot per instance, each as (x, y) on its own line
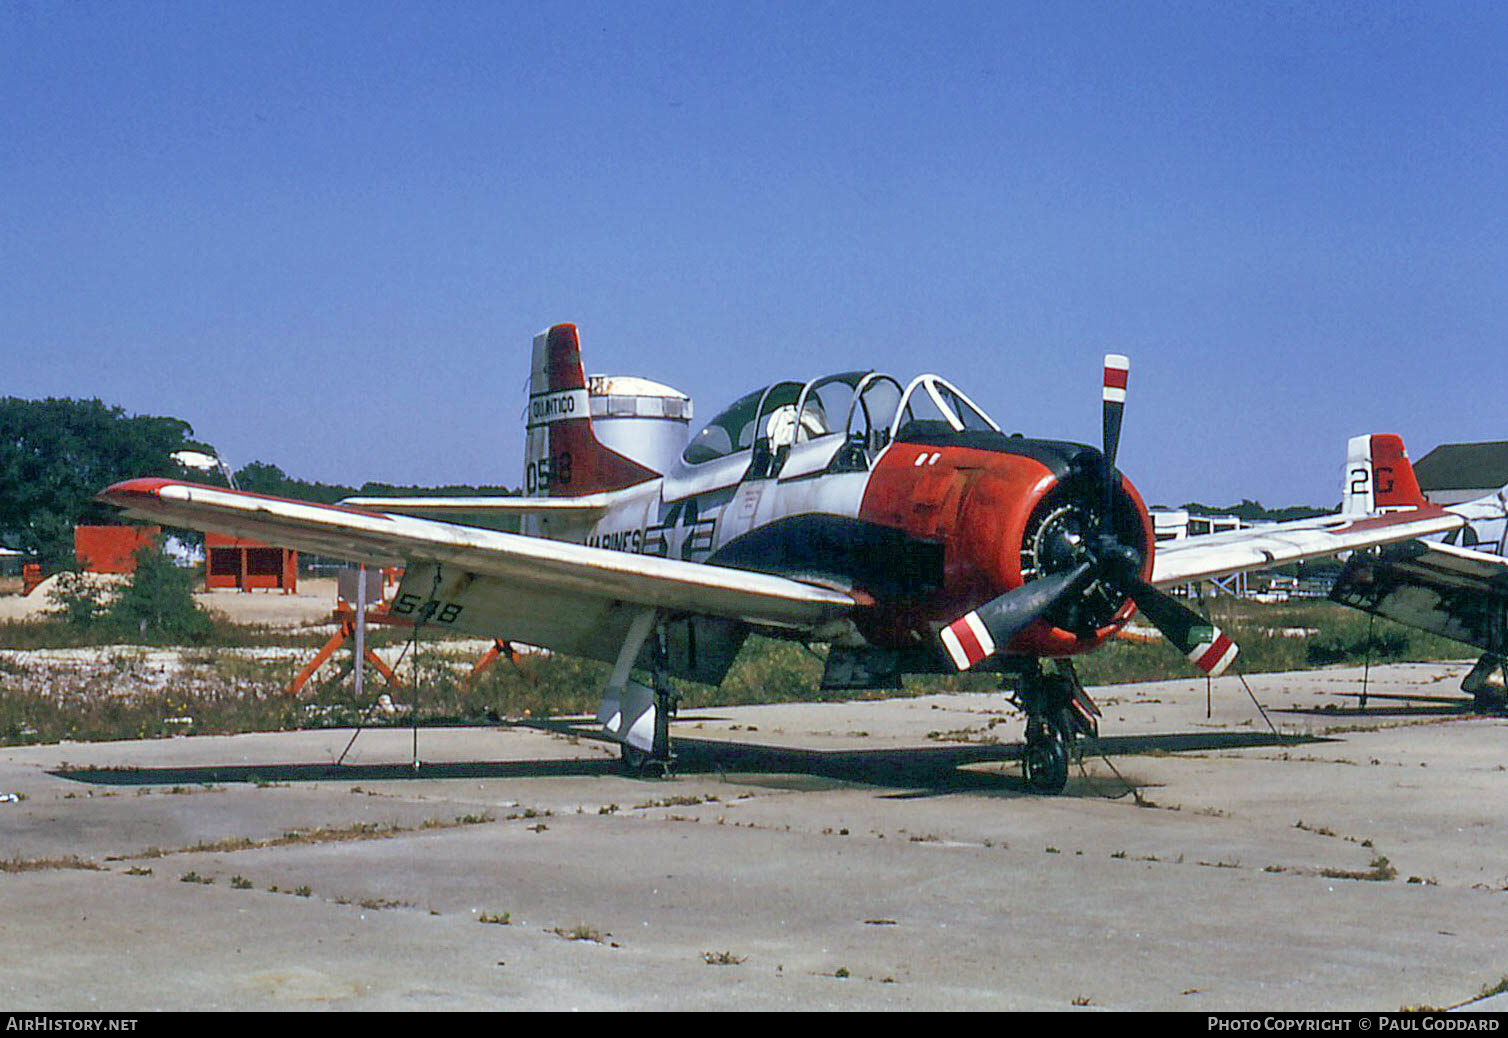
(894, 521)
(1455, 585)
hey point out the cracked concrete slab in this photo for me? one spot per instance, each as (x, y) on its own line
(850, 855)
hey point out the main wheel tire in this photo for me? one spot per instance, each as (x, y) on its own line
(1045, 762)
(642, 764)
(635, 761)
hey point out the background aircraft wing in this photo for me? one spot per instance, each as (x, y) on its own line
(1220, 554)
(1456, 592)
(565, 596)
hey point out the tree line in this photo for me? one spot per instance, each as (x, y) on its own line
(57, 453)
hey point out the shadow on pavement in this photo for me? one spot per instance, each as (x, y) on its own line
(926, 770)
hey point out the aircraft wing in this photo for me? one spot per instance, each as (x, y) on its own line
(1221, 554)
(1456, 592)
(564, 596)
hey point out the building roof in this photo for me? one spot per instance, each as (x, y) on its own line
(1463, 466)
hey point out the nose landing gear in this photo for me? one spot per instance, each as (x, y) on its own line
(1045, 762)
(1058, 711)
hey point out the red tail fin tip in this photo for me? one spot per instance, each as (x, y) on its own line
(1393, 475)
(562, 455)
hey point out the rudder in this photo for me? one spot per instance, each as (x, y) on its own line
(1378, 476)
(562, 457)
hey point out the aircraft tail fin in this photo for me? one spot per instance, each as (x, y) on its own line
(562, 456)
(1378, 476)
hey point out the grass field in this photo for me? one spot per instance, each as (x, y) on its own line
(220, 687)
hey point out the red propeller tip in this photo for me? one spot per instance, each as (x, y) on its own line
(1215, 655)
(1117, 368)
(967, 641)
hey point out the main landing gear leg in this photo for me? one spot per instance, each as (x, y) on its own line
(659, 760)
(1052, 723)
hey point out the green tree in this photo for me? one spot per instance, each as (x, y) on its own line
(56, 454)
(159, 602)
(1253, 510)
(259, 477)
(156, 605)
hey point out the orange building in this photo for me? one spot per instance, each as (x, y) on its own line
(230, 562)
(111, 549)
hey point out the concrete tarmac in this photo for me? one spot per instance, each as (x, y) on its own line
(868, 855)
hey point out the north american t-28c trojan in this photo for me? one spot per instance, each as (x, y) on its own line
(893, 521)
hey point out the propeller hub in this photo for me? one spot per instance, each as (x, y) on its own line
(1072, 528)
(1063, 546)
(1117, 559)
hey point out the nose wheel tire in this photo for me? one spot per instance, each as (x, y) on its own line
(1045, 762)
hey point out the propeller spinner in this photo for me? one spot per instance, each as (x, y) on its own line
(1075, 560)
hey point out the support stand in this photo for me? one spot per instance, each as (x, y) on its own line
(346, 632)
(499, 649)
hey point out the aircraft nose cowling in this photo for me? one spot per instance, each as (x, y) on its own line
(1005, 509)
(1066, 532)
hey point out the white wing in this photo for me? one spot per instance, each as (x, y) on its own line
(1220, 554)
(506, 585)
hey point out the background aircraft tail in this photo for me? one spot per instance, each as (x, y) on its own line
(1378, 476)
(562, 456)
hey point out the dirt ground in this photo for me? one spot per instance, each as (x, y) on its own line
(313, 603)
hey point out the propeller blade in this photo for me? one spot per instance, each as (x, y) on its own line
(977, 635)
(1117, 370)
(1191, 634)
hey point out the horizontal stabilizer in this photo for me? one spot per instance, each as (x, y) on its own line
(454, 509)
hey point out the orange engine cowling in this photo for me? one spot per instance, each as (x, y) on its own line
(999, 505)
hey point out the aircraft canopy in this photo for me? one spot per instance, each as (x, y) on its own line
(866, 406)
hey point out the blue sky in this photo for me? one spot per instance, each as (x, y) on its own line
(324, 233)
